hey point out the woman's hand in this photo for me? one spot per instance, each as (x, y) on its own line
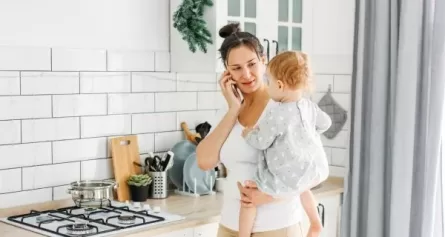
(231, 95)
(251, 196)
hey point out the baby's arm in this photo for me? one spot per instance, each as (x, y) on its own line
(262, 136)
(323, 122)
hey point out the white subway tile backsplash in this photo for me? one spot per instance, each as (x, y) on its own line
(9, 83)
(342, 83)
(104, 82)
(79, 105)
(322, 83)
(50, 175)
(23, 107)
(210, 100)
(60, 192)
(339, 156)
(196, 82)
(153, 81)
(340, 141)
(193, 118)
(146, 142)
(10, 132)
(21, 155)
(99, 126)
(25, 58)
(96, 169)
(166, 140)
(79, 149)
(331, 63)
(78, 59)
(154, 122)
(120, 60)
(162, 61)
(50, 129)
(175, 101)
(37, 83)
(25, 197)
(10, 180)
(130, 103)
(328, 151)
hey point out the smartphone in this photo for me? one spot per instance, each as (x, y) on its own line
(236, 91)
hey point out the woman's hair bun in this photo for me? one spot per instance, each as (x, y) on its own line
(229, 29)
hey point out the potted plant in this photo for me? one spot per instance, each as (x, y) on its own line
(138, 185)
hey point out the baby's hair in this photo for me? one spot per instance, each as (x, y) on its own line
(292, 68)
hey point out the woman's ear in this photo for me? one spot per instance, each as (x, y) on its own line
(263, 59)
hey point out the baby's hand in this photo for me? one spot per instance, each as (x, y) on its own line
(246, 131)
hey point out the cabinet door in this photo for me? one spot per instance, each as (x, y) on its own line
(330, 213)
(180, 233)
(208, 230)
(293, 26)
(254, 17)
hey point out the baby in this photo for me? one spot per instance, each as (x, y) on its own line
(293, 159)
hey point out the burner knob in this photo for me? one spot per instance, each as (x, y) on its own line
(156, 209)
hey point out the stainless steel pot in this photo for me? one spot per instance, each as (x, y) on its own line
(92, 192)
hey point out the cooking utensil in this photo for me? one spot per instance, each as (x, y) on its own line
(203, 129)
(193, 137)
(167, 160)
(92, 192)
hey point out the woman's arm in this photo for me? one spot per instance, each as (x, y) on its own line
(207, 151)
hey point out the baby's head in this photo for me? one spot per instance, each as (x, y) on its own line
(289, 75)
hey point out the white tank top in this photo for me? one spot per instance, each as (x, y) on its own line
(241, 160)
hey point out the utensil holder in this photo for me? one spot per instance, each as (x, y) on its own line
(158, 188)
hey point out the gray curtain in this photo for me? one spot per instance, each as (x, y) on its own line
(393, 186)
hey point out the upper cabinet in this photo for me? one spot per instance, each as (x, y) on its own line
(279, 25)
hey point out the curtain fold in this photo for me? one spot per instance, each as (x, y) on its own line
(393, 186)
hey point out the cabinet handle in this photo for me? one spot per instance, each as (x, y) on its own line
(276, 46)
(267, 49)
(320, 209)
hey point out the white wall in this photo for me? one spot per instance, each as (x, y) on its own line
(110, 24)
(74, 73)
(333, 37)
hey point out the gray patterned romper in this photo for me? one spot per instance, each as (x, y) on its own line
(293, 159)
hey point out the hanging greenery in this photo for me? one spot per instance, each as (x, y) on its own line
(188, 20)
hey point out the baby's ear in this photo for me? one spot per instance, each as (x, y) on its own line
(280, 84)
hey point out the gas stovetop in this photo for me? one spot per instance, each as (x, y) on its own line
(114, 218)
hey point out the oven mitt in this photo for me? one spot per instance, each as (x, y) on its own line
(335, 111)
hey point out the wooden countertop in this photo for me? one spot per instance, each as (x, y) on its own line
(198, 211)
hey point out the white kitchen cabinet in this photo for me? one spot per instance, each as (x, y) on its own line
(208, 230)
(331, 205)
(279, 25)
(179, 233)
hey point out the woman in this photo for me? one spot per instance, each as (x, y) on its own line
(243, 58)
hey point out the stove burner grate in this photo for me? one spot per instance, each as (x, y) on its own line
(126, 219)
(79, 229)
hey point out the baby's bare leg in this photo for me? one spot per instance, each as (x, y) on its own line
(246, 219)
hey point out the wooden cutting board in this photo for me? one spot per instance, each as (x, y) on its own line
(124, 151)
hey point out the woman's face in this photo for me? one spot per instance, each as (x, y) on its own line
(246, 69)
